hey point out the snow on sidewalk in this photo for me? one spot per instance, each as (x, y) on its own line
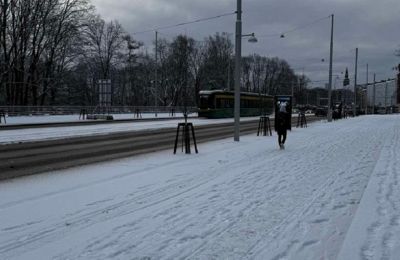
(246, 200)
(375, 230)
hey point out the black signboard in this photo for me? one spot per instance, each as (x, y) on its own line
(286, 103)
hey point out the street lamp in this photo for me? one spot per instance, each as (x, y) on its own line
(330, 73)
(238, 55)
(355, 85)
(252, 38)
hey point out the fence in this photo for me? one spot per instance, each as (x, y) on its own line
(70, 110)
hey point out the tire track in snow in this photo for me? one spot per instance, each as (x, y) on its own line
(231, 207)
(283, 223)
(383, 234)
(84, 220)
(348, 189)
(179, 219)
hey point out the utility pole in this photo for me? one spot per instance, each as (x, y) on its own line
(229, 73)
(355, 85)
(398, 86)
(238, 55)
(156, 77)
(386, 86)
(330, 74)
(366, 94)
(293, 92)
(374, 92)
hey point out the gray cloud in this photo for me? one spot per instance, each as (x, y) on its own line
(370, 25)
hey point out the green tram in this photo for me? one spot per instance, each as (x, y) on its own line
(220, 104)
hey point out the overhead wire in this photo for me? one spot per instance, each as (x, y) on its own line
(294, 29)
(185, 23)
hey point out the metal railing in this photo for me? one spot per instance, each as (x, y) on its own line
(70, 110)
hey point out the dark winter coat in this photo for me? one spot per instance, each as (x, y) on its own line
(280, 122)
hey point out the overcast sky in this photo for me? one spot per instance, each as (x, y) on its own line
(371, 25)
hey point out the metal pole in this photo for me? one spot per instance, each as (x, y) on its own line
(330, 74)
(334, 89)
(229, 66)
(386, 86)
(355, 85)
(397, 100)
(293, 92)
(156, 78)
(238, 54)
(229, 73)
(373, 95)
(366, 94)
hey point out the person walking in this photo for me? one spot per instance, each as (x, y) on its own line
(281, 124)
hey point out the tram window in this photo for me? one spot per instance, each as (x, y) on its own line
(218, 103)
(203, 102)
(225, 103)
(211, 102)
(228, 103)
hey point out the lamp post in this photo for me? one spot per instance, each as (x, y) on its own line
(366, 94)
(355, 85)
(238, 56)
(156, 77)
(386, 86)
(373, 95)
(330, 73)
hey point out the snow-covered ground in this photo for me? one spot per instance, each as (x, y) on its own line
(331, 194)
(51, 133)
(42, 119)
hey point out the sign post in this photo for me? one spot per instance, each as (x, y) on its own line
(105, 95)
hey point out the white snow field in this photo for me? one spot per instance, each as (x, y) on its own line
(52, 133)
(333, 193)
(41, 119)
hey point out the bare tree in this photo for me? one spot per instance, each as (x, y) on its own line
(61, 47)
(165, 81)
(196, 61)
(32, 35)
(181, 48)
(216, 66)
(104, 43)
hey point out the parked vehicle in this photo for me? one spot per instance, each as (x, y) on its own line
(321, 111)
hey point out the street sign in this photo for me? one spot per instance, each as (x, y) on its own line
(104, 86)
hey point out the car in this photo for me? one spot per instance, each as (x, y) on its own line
(321, 111)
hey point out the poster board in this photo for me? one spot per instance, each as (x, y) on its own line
(104, 91)
(288, 100)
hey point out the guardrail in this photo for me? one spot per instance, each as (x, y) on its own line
(70, 110)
